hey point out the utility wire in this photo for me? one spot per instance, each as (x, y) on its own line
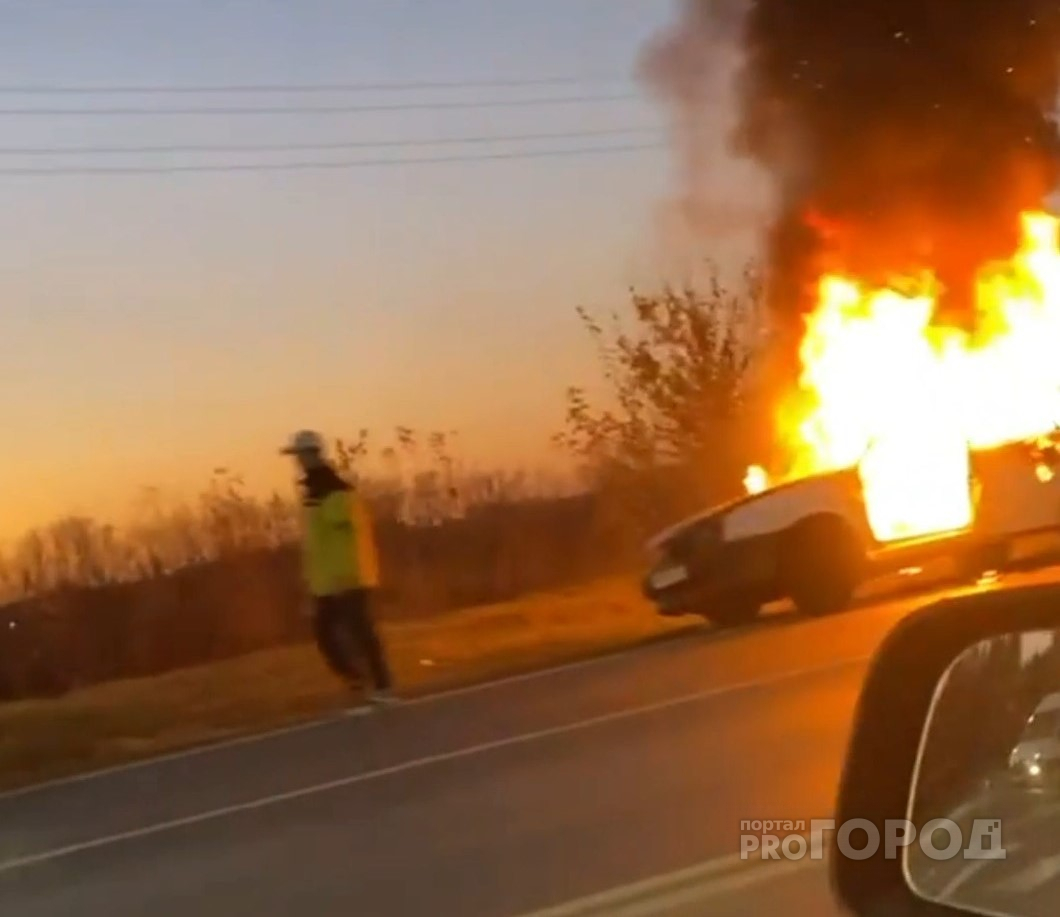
(303, 88)
(322, 165)
(316, 109)
(303, 147)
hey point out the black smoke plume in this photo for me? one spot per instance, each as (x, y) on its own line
(899, 134)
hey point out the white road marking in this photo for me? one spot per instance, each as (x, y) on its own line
(970, 870)
(208, 748)
(966, 808)
(724, 885)
(320, 722)
(419, 763)
(1047, 811)
(667, 639)
(1036, 875)
(682, 887)
(927, 869)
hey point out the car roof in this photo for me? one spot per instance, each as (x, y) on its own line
(721, 509)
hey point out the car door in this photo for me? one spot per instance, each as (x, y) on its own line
(909, 497)
(1019, 487)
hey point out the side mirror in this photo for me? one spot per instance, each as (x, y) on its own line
(949, 802)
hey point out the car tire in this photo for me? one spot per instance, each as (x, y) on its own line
(732, 611)
(822, 564)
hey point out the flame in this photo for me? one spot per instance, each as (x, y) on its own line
(756, 479)
(903, 397)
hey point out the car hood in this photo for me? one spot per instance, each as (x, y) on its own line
(667, 535)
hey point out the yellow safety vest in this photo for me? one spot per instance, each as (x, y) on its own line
(338, 547)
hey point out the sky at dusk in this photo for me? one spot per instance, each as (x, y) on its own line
(155, 326)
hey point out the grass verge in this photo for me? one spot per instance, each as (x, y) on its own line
(128, 720)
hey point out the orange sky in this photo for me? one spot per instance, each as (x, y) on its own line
(157, 326)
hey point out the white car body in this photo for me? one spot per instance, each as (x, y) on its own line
(1016, 492)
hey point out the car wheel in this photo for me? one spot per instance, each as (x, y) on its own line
(732, 611)
(821, 565)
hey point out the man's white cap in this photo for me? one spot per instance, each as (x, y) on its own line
(304, 441)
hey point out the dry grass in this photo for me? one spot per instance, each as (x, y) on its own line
(126, 720)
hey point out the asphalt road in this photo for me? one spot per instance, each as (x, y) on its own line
(492, 802)
(1026, 881)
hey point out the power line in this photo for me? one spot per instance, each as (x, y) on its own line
(318, 109)
(304, 147)
(303, 88)
(322, 165)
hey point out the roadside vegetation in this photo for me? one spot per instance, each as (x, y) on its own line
(187, 585)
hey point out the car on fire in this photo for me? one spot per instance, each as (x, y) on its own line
(810, 540)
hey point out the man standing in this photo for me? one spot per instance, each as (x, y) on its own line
(340, 565)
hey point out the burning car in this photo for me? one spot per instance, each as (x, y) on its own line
(915, 439)
(813, 541)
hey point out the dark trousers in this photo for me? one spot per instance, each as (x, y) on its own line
(345, 632)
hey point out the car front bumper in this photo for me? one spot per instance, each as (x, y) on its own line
(744, 568)
(1035, 776)
(671, 588)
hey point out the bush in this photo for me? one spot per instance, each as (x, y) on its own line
(88, 602)
(677, 423)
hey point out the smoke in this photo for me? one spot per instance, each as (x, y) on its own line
(691, 67)
(898, 134)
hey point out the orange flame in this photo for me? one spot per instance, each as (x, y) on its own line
(756, 479)
(903, 398)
